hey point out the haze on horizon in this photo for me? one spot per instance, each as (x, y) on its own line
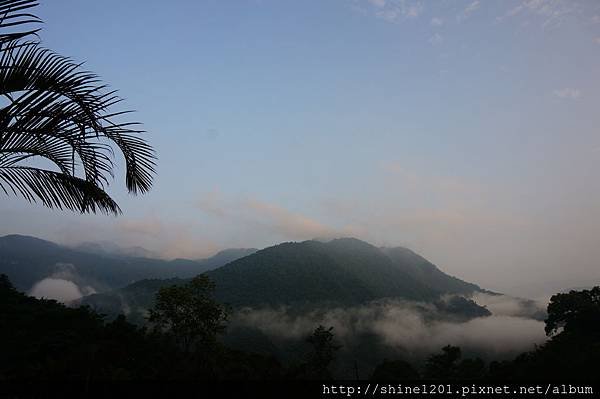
(466, 131)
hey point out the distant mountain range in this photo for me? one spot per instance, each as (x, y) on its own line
(108, 248)
(344, 271)
(341, 272)
(27, 260)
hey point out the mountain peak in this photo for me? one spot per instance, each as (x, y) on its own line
(22, 240)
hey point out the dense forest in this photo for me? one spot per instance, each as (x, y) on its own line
(43, 340)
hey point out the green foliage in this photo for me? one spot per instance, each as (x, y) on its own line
(189, 313)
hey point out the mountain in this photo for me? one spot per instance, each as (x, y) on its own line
(342, 272)
(109, 248)
(225, 256)
(27, 260)
(345, 270)
(421, 269)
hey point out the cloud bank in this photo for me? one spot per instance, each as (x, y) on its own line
(408, 328)
(62, 285)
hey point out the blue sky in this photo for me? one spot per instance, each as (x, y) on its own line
(465, 130)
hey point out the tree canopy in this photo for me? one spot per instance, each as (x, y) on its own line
(189, 313)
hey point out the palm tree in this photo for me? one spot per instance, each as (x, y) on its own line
(53, 113)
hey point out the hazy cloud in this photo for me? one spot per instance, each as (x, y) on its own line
(61, 285)
(172, 239)
(401, 325)
(504, 305)
(395, 10)
(149, 226)
(568, 93)
(436, 21)
(551, 13)
(469, 9)
(264, 217)
(58, 289)
(436, 39)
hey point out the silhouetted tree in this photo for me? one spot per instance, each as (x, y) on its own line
(394, 370)
(576, 312)
(573, 350)
(54, 111)
(322, 353)
(43, 340)
(324, 349)
(189, 313)
(471, 369)
(443, 365)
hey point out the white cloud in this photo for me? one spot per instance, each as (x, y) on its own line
(396, 10)
(62, 285)
(436, 39)
(58, 289)
(568, 93)
(436, 21)
(400, 325)
(470, 9)
(551, 13)
(414, 10)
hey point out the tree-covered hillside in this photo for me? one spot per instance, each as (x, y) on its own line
(342, 272)
(27, 260)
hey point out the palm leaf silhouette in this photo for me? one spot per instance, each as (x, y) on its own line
(55, 111)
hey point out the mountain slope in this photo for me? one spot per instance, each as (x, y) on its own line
(341, 272)
(426, 272)
(27, 260)
(346, 271)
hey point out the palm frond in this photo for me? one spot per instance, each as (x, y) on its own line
(12, 15)
(58, 112)
(56, 190)
(63, 114)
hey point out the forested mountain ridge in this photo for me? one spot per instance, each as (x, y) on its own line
(423, 270)
(27, 260)
(341, 272)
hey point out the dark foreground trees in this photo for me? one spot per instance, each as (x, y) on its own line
(572, 353)
(189, 314)
(42, 340)
(58, 126)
